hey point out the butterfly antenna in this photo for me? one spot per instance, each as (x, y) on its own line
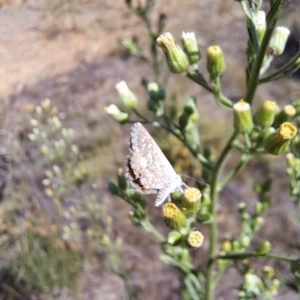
(199, 181)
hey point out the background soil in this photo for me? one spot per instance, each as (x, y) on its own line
(75, 58)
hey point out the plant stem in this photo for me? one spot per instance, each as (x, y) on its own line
(213, 224)
(234, 172)
(220, 99)
(220, 274)
(195, 153)
(294, 63)
(199, 79)
(149, 227)
(254, 75)
(234, 256)
(153, 48)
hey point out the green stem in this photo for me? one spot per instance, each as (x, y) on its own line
(152, 36)
(149, 227)
(213, 224)
(294, 63)
(247, 141)
(244, 255)
(220, 99)
(199, 79)
(155, 60)
(244, 160)
(220, 274)
(254, 75)
(195, 153)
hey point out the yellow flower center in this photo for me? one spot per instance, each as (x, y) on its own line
(270, 105)
(287, 131)
(214, 50)
(195, 239)
(241, 106)
(290, 110)
(170, 211)
(192, 194)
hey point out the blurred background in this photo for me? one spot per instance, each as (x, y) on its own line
(62, 234)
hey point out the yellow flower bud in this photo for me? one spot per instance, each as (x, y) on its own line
(264, 117)
(285, 115)
(226, 246)
(195, 239)
(174, 218)
(215, 61)
(269, 271)
(277, 142)
(191, 201)
(242, 117)
(263, 247)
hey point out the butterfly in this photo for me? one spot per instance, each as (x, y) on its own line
(148, 170)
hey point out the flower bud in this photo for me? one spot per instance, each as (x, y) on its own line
(183, 120)
(206, 201)
(277, 142)
(279, 39)
(226, 246)
(260, 25)
(263, 248)
(122, 182)
(296, 105)
(215, 61)
(268, 271)
(242, 208)
(132, 48)
(252, 284)
(274, 286)
(204, 215)
(190, 47)
(156, 97)
(176, 58)
(190, 106)
(245, 241)
(242, 117)
(255, 135)
(113, 188)
(174, 237)
(155, 92)
(236, 247)
(264, 117)
(290, 160)
(114, 111)
(285, 115)
(128, 98)
(295, 269)
(174, 218)
(258, 208)
(257, 222)
(152, 105)
(195, 239)
(45, 104)
(191, 200)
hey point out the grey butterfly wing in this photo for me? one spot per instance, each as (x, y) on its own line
(147, 167)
